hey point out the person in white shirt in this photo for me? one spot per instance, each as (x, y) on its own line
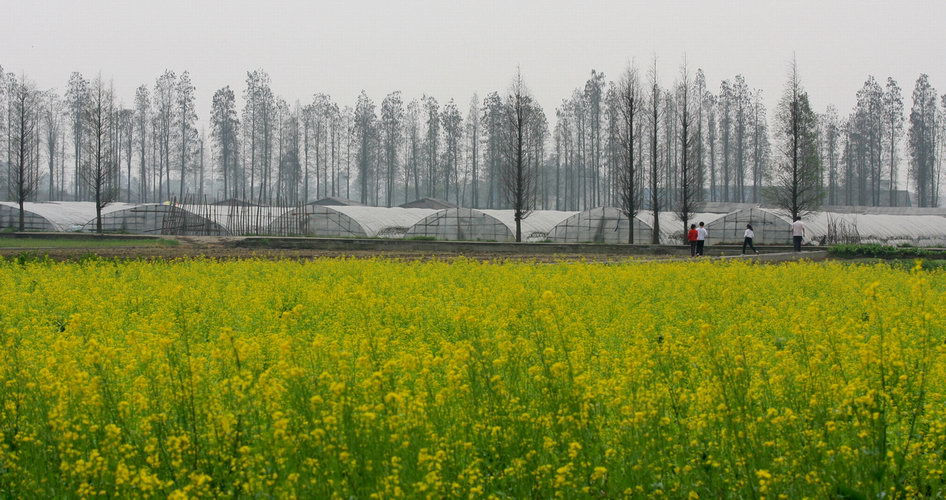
(747, 240)
(798, 233)
(701, 235)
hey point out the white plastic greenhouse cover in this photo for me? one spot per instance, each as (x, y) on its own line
(844, 209)
(128, 219)
(316, 220)
(348, 221)
(158, 218)
(535, 227)
(920, 230)
(771, 227)
(67, 215)
(385, 222)
(671, 228)
(600, 225)
(462, 224)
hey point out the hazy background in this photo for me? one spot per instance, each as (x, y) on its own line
(452, 48)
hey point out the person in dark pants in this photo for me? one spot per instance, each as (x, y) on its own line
(798, 233)
(747, 240)
(691, 237)
(701, 235)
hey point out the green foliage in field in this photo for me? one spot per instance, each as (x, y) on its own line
(343, 378)
(879, 251)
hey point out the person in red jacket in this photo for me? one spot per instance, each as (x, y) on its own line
(692, 235)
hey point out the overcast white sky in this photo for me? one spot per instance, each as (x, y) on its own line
(452, 48)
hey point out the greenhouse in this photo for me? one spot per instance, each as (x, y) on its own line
(536, 226)
(827, 228)
(348, 221)
(769, 226)
(52, 216)
(459, 224)
(600, 225)
(240, 220)
(470, 224)
(156, 219)
(671, 228)
(32, 221)
(885, 225)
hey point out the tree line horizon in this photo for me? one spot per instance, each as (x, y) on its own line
(627, 142)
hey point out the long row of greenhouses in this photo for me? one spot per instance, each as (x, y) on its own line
(725, 224)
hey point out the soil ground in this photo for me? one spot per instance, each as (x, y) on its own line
(168, 247)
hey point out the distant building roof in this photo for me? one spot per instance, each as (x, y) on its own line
(429, 203)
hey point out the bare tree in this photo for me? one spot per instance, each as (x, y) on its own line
(686, 200)
(655, 97)
(414, 149)
(432, 144)
(317, 122)
(922, 142)
(289, 176)
(186, 124)
(365, 130)
(797, 188)
(699, 141)
(24, 103)
(142, 119)
(225, 132)
(392, 118)
(99, 167)
(593, 97)
(473, 136)
(760, 144)
(518, 180)
(493, 120)
(629, 104)
(164, 123)
(77, 97)
(893, 129)
(259, 115)
(740, 103)
(831, 134)
(52, 120)
(124, 143)
(452, 125)
(4, 130)
(712, 130)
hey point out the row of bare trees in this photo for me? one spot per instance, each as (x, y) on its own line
(36, 120)
(629, 143)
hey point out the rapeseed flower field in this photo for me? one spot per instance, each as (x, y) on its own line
(381, 379)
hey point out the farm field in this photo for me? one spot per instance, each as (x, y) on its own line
(374, 378)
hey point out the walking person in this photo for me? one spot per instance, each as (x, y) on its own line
(798, 233)
(701, 235)
(691, 237)
(747, 240)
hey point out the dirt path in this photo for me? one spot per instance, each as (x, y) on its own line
(220, 248)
